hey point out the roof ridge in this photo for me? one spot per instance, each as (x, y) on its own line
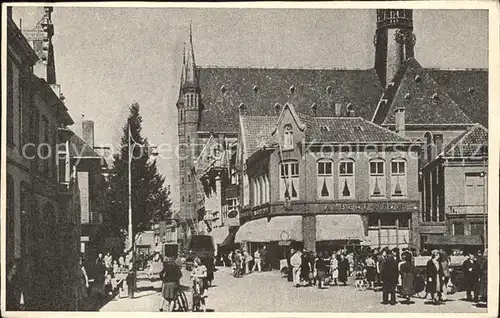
(383, 128)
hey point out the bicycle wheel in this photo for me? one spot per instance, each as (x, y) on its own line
(183, 301)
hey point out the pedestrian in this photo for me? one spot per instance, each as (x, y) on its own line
(483, 276)
(264, 258)
(343, 266)
(445, 263)
(247, 258)
(321, 268)
(380, 265)
(334, 268)
(257, 261)
(471, 276)
(14, 289)
(98, 286)
(237, 261)
(296, 262)
(435, 277)
(83, 286)
(407, 271)
(199, 277)
(389, 275)
(371, 271)
(108, 261)
(230, 258)
(100, 259)
(170, 277)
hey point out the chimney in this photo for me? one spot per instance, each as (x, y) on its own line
(338, 108)
(277, 109)
(314, 109)
(242, 109)
(399, 113)
(88, 132)
(350, 110)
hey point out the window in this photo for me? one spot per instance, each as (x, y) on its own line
(346, 179)
(189, 198)
(10, 104)
(377, 178)
(188, 140)
(458, 229)
(398, 178)
(325, 179)
(182, 164)
(182, 198)
(182, 180)
(289, 180)
(477, 228)
(61, 162)
(189, 178)
(288, 137)
(181, 114)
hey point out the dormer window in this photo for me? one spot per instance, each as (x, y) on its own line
(288, 136)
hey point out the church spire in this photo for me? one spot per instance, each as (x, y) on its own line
(180, 99)
(190, 79)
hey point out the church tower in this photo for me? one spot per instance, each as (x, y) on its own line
(394, 42)
(188, 109)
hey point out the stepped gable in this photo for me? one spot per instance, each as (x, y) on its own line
(260, 89)
(256, 131)
(425, 101)
(468, 144)
(468, 88)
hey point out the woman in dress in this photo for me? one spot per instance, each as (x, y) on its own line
(407, 270)
(343, 269)
(435, 277)
(334, 268)
(371, 271)
(445, 263)
(170, 276)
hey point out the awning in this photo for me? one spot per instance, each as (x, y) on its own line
(219, 234)
(339, 227)
(252, 231)
(467, 240)
(277, 229)
(229, 241)
(282, 228)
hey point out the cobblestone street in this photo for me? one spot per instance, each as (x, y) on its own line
(268, 291)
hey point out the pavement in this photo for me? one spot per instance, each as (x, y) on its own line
(270, 292)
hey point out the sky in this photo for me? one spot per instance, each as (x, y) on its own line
(108, 58)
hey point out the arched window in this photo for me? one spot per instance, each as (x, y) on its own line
(377, 178)
(429, 146)
(181, 115)
(398, 178)
(288, 136)
(188, 140)
(347, 185)
(182, 198)
(289, 180)
(325, 179)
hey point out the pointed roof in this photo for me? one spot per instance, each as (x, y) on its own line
(189, 64)
(425, 101)
(298, 122)
(469, 144)
(180, 100)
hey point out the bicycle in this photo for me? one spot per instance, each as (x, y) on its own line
(181, 302)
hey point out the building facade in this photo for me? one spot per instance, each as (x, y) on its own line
(337, 181)
(438, 105)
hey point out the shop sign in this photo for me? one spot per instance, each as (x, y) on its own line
(284, 243)
(370, 207)
(256, 213)
(232, 214)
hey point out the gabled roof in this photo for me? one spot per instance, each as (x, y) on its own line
(468, 88)
(469, 144)
(347, 130)
(289, 107)
(256, 132)
(425, 101)
(260, 89)
(80, 149)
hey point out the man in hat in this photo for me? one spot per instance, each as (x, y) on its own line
(471, 276)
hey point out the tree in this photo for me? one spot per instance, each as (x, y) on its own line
(150, 198)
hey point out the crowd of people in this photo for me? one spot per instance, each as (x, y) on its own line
(243, 263)
(391, 271)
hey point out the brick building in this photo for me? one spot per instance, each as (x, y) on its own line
(438, 106)
(338, 180)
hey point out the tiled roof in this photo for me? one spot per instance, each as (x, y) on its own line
(79, 148)
(256, 131)
(346, 130)
(425, 101)
(224, 89)
(469, 88)
(468, 144)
